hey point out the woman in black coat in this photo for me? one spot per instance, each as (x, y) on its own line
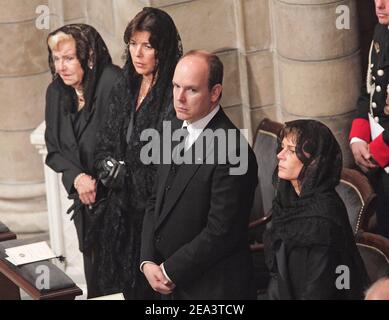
(76, 105)
(310, 248)
(143, 101)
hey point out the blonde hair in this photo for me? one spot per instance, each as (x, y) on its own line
(57, 38)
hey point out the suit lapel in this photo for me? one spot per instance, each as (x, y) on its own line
(87, 115)
(165, 169)
(184, 174)
(183, 177)
(70, 140)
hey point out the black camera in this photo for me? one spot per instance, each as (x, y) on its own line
(112, 172)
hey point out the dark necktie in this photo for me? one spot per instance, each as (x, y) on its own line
(178, 152)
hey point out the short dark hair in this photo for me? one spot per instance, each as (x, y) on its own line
(215, 66)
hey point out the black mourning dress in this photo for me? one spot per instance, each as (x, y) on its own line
(71, 134)
(310, 239)
(120, 226)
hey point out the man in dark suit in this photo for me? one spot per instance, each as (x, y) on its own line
(194, 239)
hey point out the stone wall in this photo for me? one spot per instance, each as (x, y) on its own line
(23, 80)
(319, 73)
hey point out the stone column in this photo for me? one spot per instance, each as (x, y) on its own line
(23, 80)
(318, 65)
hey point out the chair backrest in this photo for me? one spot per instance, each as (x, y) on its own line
(265, 149)
(359, 198)
(376, 263)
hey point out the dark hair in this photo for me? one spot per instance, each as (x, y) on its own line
(215, 66)
(164, 38)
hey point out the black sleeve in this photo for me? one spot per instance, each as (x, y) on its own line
(312, 271)
(363, 104)
(111, 138)
(147, 243)
(55, 160)
(227, 223)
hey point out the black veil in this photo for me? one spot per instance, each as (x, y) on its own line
(320, 153)
(92, 53)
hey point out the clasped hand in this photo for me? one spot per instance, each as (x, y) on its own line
(86, 188)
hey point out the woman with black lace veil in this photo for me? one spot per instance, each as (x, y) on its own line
(142, 101)
(310, 248)
(76, 105)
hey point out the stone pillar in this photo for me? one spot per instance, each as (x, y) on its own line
(110, 18)
(23, 80)
(318, 72)
(257, 51)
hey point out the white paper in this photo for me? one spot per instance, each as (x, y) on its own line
(29, 253)
(117, 296)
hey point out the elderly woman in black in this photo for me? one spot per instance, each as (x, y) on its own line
(76, 105)
(310, 248)
(143, 101)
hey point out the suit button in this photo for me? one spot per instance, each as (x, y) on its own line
(376, 119)
(380, 73)
(378, 88)
(168, 188)
(157, 238)
(374, 105)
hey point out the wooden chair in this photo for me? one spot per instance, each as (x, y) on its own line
(376, 262)
(374, 250)
(265, 149)
(374, 240)
(26, 277)
(359, 198)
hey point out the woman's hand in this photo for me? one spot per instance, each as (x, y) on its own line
(86, 188)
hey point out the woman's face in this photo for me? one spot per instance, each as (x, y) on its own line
(67, 64)
(289, 166)
(142, 53)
